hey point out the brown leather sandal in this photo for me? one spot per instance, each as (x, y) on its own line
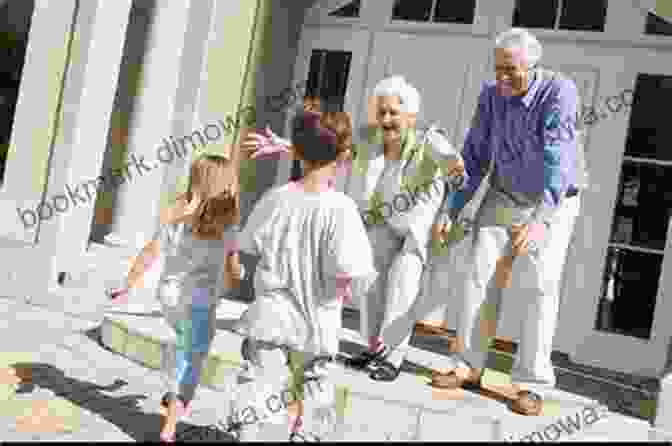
(451, 381)
(430, 330)
(448, 380)
(528, 403)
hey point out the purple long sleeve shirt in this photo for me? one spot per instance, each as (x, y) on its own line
(535, 150)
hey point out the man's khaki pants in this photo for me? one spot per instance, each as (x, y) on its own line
(536, 284)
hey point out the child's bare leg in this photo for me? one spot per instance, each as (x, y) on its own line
(295, 409)
(170, 421)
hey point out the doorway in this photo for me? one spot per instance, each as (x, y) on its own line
(331, 64)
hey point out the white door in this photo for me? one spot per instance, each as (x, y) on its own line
(331, 63)
(614, 303)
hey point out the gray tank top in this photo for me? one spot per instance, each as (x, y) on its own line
(190, 263)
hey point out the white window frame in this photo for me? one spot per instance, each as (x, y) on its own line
(558, 15)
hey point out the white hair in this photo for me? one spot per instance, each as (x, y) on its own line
(520, 38)
(397, 86)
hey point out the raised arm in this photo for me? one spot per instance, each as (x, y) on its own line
(266, 145)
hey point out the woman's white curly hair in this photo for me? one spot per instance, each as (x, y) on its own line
(397, 86)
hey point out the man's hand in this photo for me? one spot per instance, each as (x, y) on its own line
(522, 235)
(519, 240)
(440, 231)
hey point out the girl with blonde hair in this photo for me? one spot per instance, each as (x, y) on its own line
(196, 242)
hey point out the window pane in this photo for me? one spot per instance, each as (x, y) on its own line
(656, 25)
(414, 10)
(450, 11)
(582, 15)
(643, 207)
(629, 293)
(349, 10)
(328, 77)
(535, 13)
(650, 130)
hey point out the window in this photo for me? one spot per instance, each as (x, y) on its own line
(14, 26)
(350, 10)
(571, 15)
(328, 77)
(657, 26)
(436, 11)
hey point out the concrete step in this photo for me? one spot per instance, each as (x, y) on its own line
(406, 410)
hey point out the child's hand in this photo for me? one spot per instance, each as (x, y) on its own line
(234, 270)
(117, 295)
(344, 289)
(233, 266)
(266, 145)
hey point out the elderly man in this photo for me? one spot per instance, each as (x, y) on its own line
(532, 202)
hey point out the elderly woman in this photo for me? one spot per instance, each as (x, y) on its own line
(398, 178)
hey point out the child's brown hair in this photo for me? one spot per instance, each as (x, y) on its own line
(215, 178)
(321, 138)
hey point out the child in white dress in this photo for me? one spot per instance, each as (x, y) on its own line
(196, 241)
(313, 252)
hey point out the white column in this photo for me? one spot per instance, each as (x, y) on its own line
(185, 120)
(137, 206)
(78, 154)
(35, 120)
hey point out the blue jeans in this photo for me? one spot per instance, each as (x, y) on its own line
(194, 331)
